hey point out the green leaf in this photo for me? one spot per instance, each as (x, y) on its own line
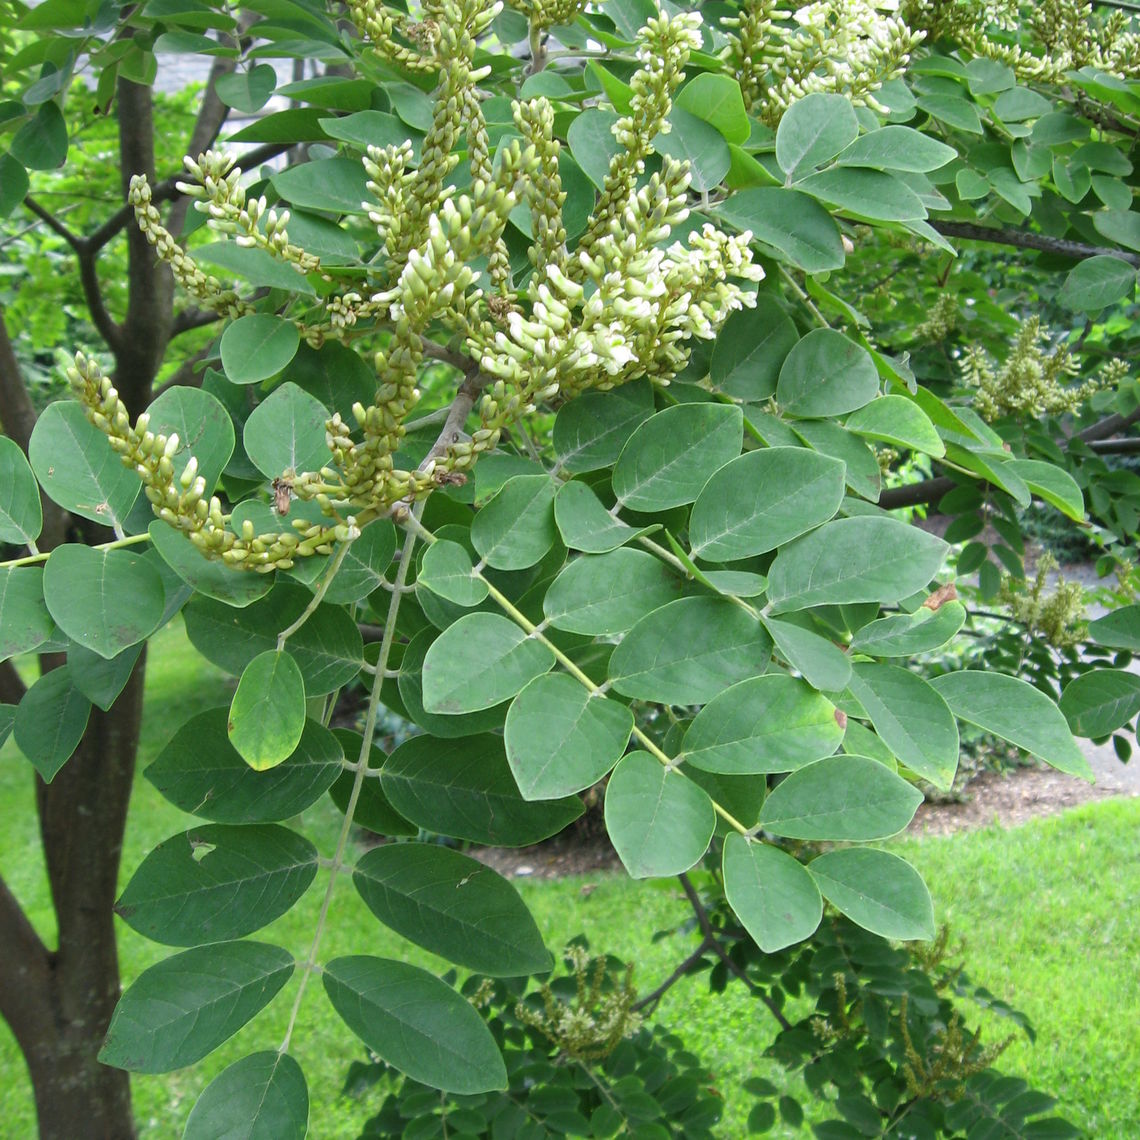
(591, 430)
(716, 99)
(1119, 226)
(258, 346)
(478, 661)
(660, 822)
(773, 723)
(772, 894)
(585, 524)
(840, 798)
(592, 143)
(871, 194)
(453, 906)
(447, 570)
(200, 771)
(76, 467)
(750, 349)
(561, 739)
(685, 653)
(205, 430)
(101, 680)
(1100, 701)
(104, 600)
(332, 185)
(372, 128)
(1014, 710)
(50, 721)
(826, 374)
(822, 663)
(813, 131)
(878, 891)
(897, 148)
(1053, 484)
(286, 433)
(952, 110)
(515, 529)
(7, 719)
(261, 1097)
(25, 623)
(464, 788)
(762, 499)
(14, 184)
(861, 559)
(911, 718)
(606, 594)
(1017, 104)
(247, 91)
(1096, 283)
(670, 457)
(796, 227)
(21, 517)
(216, 882)
(183, 1008)
(416, 1023)
(208, 576)
(898, 421)
(908, 635)
(267, 714)
(1119, 629)
(862, 476)
(41, 143)
(362, 569)
(373, 812)
(692, 140)
(328, 648)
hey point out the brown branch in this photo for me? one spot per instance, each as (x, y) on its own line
(1107, 427)
(707, 930)
(12, 688)
(88, 274)
(187, 320)
(187, 375)
(1022, 239)
(150, 286)
(651, 999)
(17, 413)
(25, 969)
(931, 490)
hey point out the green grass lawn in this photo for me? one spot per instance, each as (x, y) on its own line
(1048, 914)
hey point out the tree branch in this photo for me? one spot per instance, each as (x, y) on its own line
(25, 967)
(17, 413)
(722, 954)
(651, 999)
(186, 320)
(1022, 239)
(12, 689)
(187, 374)
(931, 490)
(88, 274)
(150, 286)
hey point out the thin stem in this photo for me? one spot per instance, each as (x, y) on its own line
(326, 581)
(651, 999)
(803, 298)
(32, 559)
(361, 770)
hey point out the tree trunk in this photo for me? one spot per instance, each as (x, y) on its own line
(59, 1003)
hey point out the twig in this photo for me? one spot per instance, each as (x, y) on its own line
(1022, 239)
(722, 954)
(654, 996)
